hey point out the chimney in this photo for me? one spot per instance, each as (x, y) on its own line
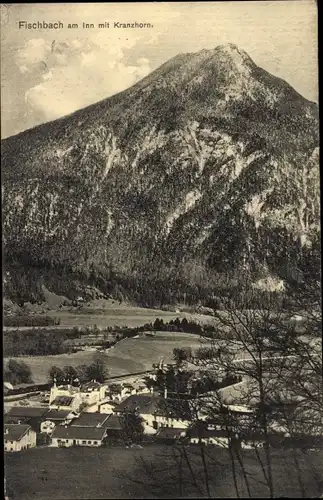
(165, 393)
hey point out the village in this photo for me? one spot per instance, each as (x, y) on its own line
(139, 410)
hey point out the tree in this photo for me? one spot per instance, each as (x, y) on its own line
(70, 373)
(56, 373)
(94, 371)
(281, 386)
(158, 324)
(17, 372)
(181, 354)
(177, 322)
(132, 427)
(184, 324)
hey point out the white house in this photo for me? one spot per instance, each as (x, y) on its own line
(92, 392)
(71, 397)
(118, 392)
(66, 436)
(157, 412)
(56, 417)
(18, 437)
(209, 437)
(106, 406)
(170, 435)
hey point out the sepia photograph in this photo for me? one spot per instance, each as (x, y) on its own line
(162, 305)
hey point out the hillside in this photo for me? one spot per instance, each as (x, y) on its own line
(205, 170)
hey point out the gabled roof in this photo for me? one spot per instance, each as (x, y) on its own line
(169, 433)
(114, 423)
(176, 408)
(8, 419)
(107, 401)
(90, 386)
(90, 419)
(74, 432)
(71, 389)
(27, 411)
(15, 431)
(142, 403)
(150, 405)
(57, 414)
(62, 401)
(114, 388)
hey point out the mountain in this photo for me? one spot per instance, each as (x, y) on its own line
(205, 170)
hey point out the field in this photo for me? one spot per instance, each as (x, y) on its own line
(128, 356)
(109, 314)
(144, 351)
(59, 474)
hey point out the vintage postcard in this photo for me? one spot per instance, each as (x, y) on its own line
(161, 250)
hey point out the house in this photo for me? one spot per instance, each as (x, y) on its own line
(92, 392)
(129, 389)
(112, 424)
(208, 437)
(169, 435)
(89, 393)
(157, 412)
(114, 427)
(56, 417)
(236, 394)
(65, 436)
(172, 412)
(19, 437)
(106, 406)
(30, 415)
(91, 420)
(69, 403)
(117, 392)
(65, 397)
(141, 388)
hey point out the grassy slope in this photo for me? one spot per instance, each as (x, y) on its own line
(52, 474)
(128, 356)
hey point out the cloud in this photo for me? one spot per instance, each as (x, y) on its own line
(64, 70)
(73, 74)
(33, 52)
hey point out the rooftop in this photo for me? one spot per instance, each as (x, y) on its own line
(14, 432)
(70, 388)
(90, 386)
(27, 411)
(142, 403)
(169, 433)
(62, 401)
(90, 420)
(74, 432)
(114, 423)
(57, 414)
(149, 405)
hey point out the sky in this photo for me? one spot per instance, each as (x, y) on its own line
(46, 74)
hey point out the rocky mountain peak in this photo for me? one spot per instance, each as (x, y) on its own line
(205, 168)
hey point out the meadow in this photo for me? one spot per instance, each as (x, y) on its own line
(106, 473)
(127, 356)
(122, 315)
